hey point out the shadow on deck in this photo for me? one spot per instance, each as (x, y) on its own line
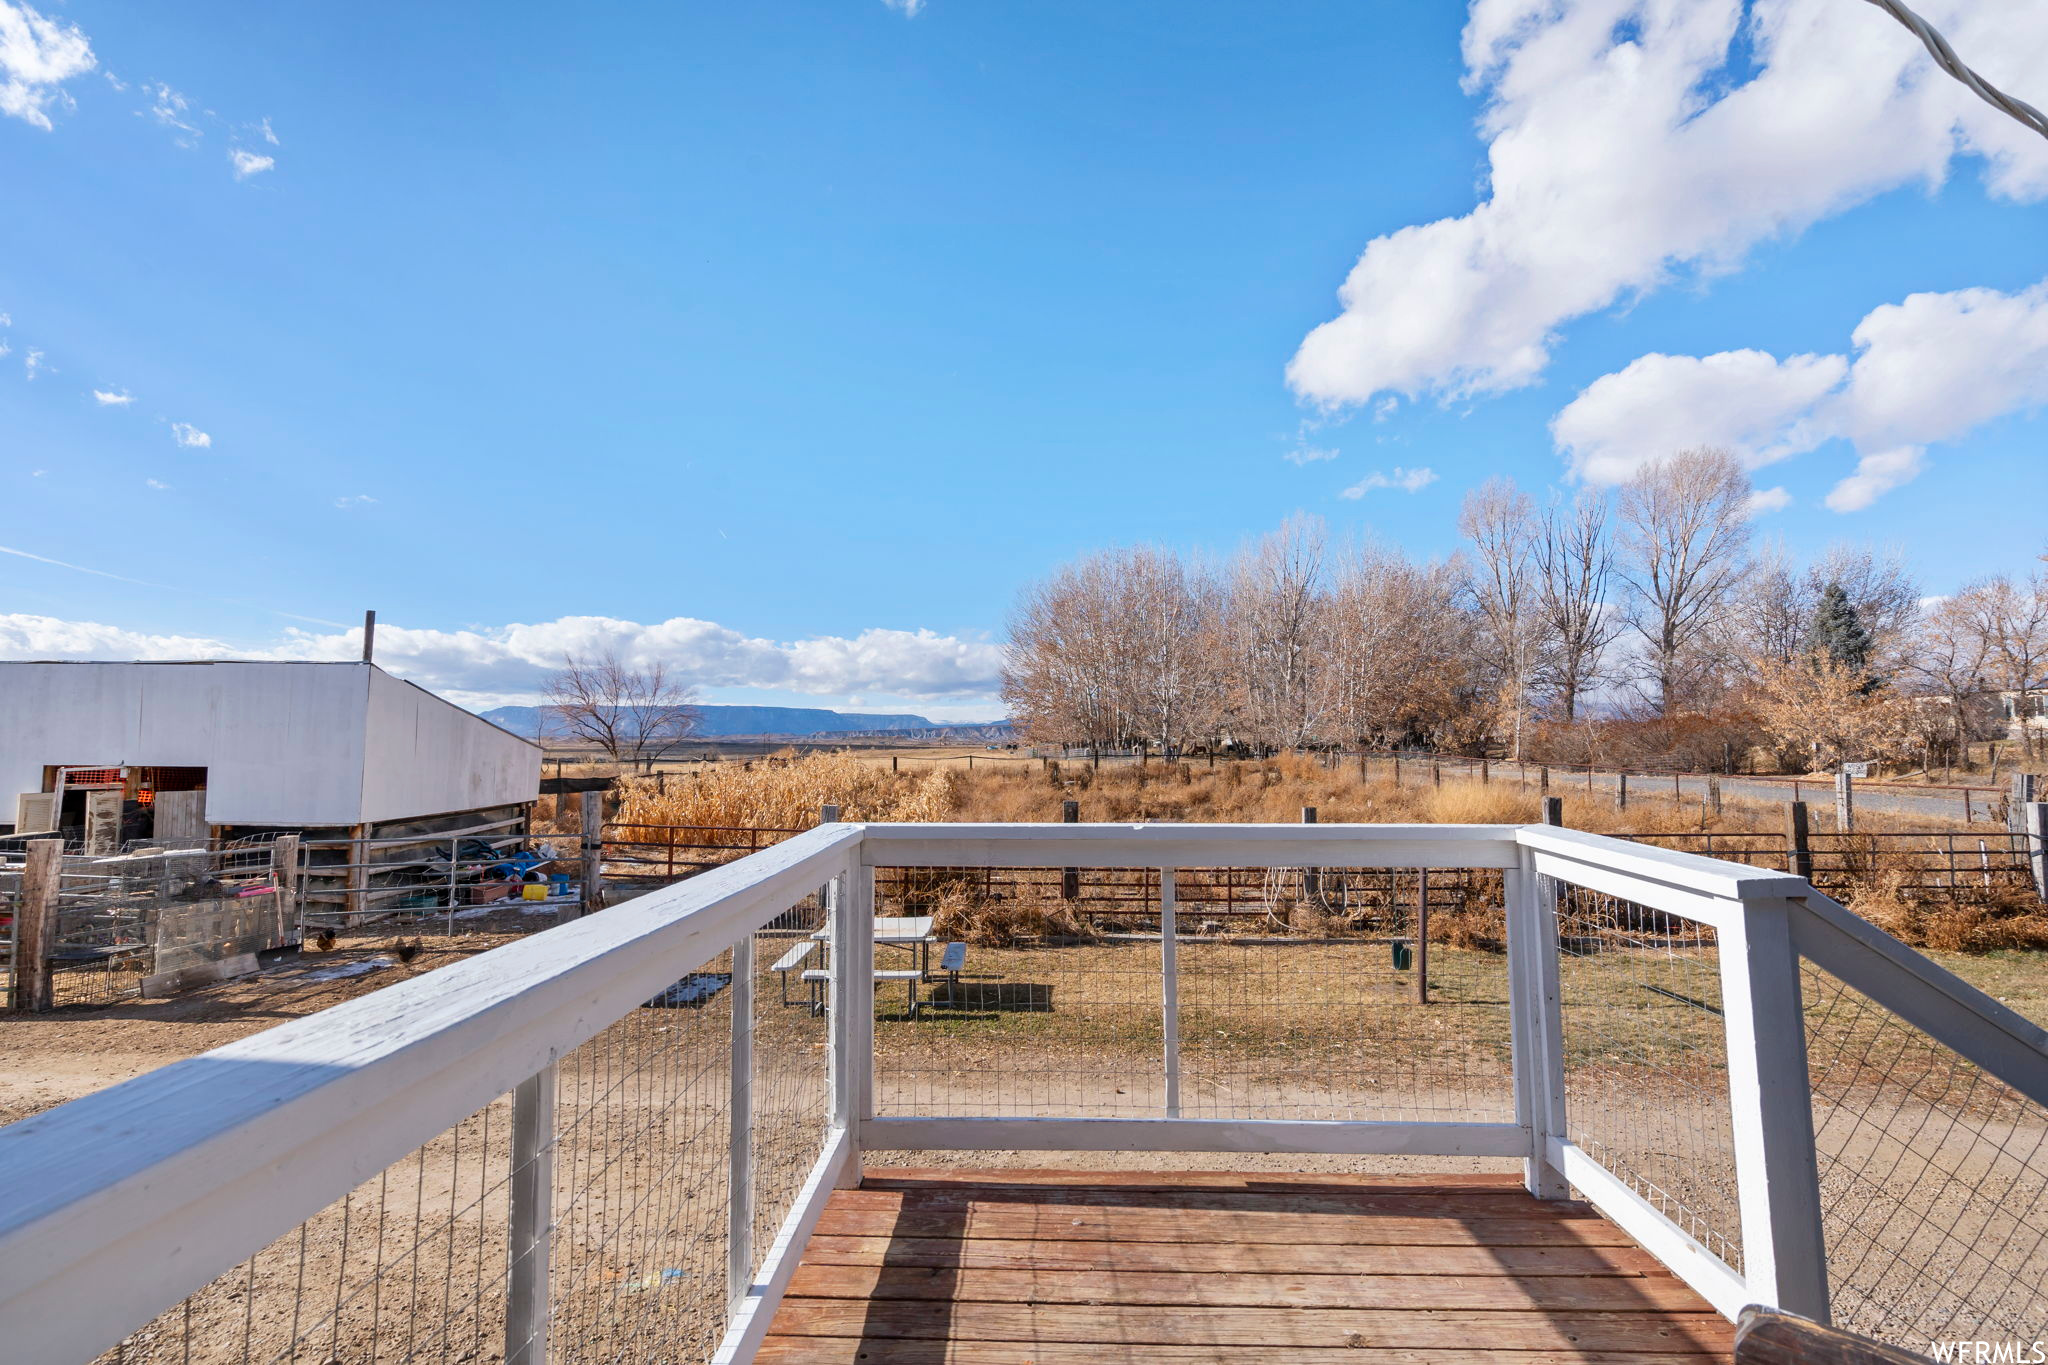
(927, 1267)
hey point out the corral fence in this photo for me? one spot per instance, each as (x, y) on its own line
(613, 1140)
(149, 920)
(1993, 867)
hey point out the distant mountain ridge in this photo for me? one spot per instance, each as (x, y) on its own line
(729, 722)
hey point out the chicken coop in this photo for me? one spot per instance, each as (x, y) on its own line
(363, 767)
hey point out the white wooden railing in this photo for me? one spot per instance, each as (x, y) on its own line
(116, 1207)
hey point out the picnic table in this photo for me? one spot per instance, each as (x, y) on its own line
(910, 932)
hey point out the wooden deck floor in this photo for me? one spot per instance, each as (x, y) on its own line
(1078, 1268)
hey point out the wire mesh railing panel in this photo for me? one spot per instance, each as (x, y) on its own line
(409, 1266)
(641, 1179)
(791, 1100)
(418, 1263)
(1344, 1012)
(1934, 1180)
(1646, 1059)
(1044, 1017)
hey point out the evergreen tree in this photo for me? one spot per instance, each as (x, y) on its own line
(1837, 633)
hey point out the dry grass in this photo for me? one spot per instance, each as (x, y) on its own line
(786, 793)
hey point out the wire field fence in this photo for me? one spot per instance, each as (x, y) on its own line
(610, 1141)
(1327, 1005)
(92, 929)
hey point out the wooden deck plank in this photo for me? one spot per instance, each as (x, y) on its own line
(1475, 1329)
(1393, 1293)
(1474, 1203)
(1272, 1258)
(935, 1177)
(1202, 1225)
(1041, 1267)
(855, 1351)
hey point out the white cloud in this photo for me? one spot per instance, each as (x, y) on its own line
(169, 109)
(115, 81)
(156, 484)
(1765, 500)
(354, 500)
(108, 398)
(268, 136)
(1308, 455)
(6, 319)
(512, 661)
(1749, 401)
(37, 55)
(185, 434)
(1632, 141)
(1407, 480)
(5, 349)
(907, 8)
(1925, 371)
(248, 163)
(32, 365)
(1876, 475)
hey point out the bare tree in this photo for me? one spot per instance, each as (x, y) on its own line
(2010, 619)
(636, 715)
(1399, 662)
(1117, 648)
(1577, 624)
(1499, 519)
(1948, 662)
(1275, 626)
(1685, 528)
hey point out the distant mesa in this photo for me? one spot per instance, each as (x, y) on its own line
(757, 722)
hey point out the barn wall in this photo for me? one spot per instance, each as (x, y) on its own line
(425, 755)
(281, 745)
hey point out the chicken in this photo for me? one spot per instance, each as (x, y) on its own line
(408, 951)
(322, 941)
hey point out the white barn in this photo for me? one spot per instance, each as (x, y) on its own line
(339, 748)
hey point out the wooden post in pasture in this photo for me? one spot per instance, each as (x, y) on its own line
(892, 763)
(1397, 768)
(1714, 795)
(35, 924)
(593, 853)
(1485, 770)
(2034, 823)
(1553, 810)
(1845, 803)
(1436, 773)
(1070, 877)
(284, 876)
(1621, 791)
(1361, 765)
(1543, 778)
(1422, 936)
(1798, 847)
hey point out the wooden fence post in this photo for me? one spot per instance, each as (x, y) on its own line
(284, 876)
(2035, 818)
(1798, 846)
(1070, 877)
(1543, 778)
(35, 924)
(1621, 791)
(1553, 810)
(1845, 803)
(593, 853)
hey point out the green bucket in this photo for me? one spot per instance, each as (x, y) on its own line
(1404, 957)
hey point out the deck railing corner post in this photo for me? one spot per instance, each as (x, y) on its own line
(1770, 1097)
(1536, 1022)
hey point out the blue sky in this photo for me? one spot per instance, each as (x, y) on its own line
(787, 340)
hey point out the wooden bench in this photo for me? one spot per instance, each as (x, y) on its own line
(791, 961)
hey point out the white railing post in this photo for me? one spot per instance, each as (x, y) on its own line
(1169, 989)
(1784, 1253)
(532, 1219)
(1536, 1024)
(739, 1223)
(853, 1010)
